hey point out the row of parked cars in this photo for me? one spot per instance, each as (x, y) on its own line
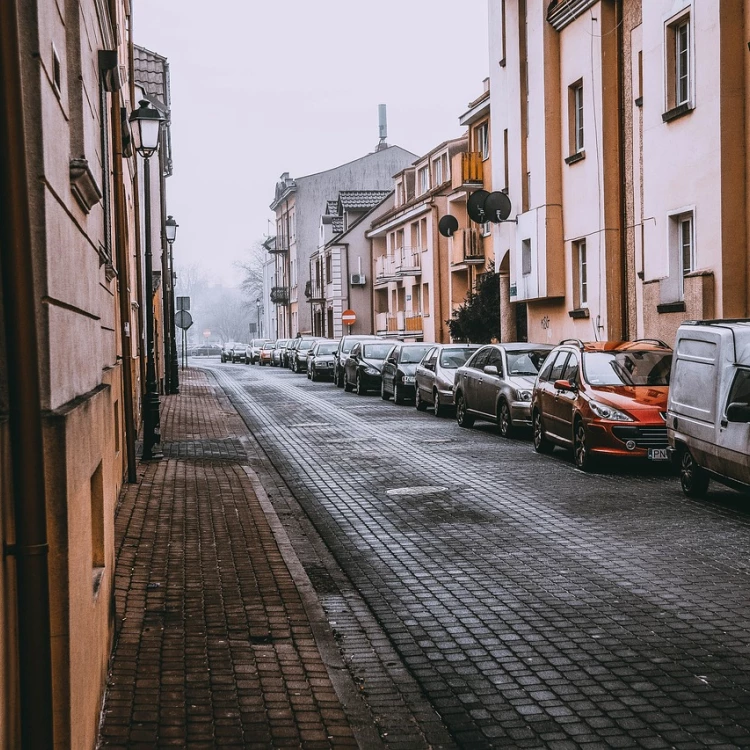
(599, 400)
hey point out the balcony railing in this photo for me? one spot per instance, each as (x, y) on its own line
(280, 295)
(385, 268)
(408, 261)
(400, 323)
(314, 291)
(280, 246)
(466, 247)
(413, 323)
(467, 170)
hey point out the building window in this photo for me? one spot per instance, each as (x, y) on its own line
(424, 180)
(679, 65)
(682, 260)
(581, 274)
(687, 248)
(482, 140)
(575, 105)
(525, 257)
(399, 193)
(437, 171)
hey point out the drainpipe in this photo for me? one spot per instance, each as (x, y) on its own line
(24, 394)
(625, 331)
(346, 280)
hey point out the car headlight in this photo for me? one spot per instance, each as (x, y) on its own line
(371, 371)
(607, 412)
(409, 378)
(523, 395)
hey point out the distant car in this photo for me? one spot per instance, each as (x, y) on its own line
(496, 385)
(342, 353)
(253, 351)
(227, 349)
(206, 350)
(435, 374)
(298, 354)
(266, 353)
(364, 365)
(603, 398)
(320, 359)
(398, 375)
(277, 355)
(239, 353)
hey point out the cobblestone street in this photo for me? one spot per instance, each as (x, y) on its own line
(531, 604)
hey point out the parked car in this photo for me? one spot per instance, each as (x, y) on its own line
(239, 353)
(364, 365)
(227, 349)
(320, 359)
(342, 353)
(399, 368)
(435, 374)
(298, 353)
(253, 351)
(277, 355)
(605, 398)
(266, 353)
(708, 412)
(496, 383)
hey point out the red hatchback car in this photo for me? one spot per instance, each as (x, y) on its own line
(605, 398)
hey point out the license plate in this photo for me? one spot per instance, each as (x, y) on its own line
(658, 454)
(409, 378)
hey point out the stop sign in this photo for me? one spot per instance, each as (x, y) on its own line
(349, 317)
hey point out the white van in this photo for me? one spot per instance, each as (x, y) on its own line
(708, 413)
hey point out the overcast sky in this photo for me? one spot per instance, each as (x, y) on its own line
(261, 87)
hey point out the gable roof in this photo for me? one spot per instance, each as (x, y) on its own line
(361, 200)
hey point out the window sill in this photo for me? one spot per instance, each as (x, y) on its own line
(677, 112)
(671, 307)
(573, 158)
(580, 312)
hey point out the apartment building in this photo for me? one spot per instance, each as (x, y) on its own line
(297, 205)
(410, 258)
(620, 135)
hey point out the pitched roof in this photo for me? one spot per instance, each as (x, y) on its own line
(337, 224)
(361, 200)
(332, 208)
(152, 73)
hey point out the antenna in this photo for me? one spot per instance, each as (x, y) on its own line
(382, 127)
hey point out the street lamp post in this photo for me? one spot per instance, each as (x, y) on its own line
(259, 308)
(170, 233)
(146, 132)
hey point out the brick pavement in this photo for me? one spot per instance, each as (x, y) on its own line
(221, 640)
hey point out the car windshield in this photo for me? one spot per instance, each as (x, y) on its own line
(269, 345)
(410, 355)
(306, 343)
(327, 348)
(452, 359)
(376, 351)
(627, 368)
(525, 362)
(347, 344)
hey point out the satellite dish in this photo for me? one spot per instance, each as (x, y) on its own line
(447, 225)
(475, 206)
(497, 207)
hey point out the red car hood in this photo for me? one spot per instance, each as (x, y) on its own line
(632, 398)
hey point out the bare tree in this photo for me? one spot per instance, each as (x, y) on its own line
(252, 274)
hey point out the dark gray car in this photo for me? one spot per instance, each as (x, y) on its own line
(435, 375)
(397, 378)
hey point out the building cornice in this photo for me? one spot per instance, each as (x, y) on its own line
(395, 221)
(560, 13)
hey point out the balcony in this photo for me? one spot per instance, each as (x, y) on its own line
(280, 246)
(314, 291)
(409, 261)
(400, 323)
(385, 269)
(467, 171)
(280, 295)
(466, 247)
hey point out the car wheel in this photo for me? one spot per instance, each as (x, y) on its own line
(463, 417)
(359, 388)
(348, 388)
(312, 374)
(437, 407)
(541, 444)
(693, 479)
(383, 393)
(581, 453)
(419, 403)
(339, 377)
(398, 396)
(504, 421)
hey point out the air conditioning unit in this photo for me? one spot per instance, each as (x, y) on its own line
(358, 279)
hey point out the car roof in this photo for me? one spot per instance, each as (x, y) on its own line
(617, 346)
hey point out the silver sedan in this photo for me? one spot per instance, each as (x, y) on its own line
(435, 374)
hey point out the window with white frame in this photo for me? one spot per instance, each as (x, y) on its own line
(424, 179)
(437, 171)
(526, 257)
(687, 246)
(679, 62)
(575, 105)
(482, 140)
(682, 251)
(581, 274)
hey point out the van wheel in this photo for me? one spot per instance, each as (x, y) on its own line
(693, 479)
(581, 453)
(504, 422)
(541, 444)
(463, 417)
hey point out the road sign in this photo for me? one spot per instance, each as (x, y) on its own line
(348, 317)
(206, 333)
(183, 319)
(183, 303)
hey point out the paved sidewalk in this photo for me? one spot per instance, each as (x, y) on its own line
(221, 640)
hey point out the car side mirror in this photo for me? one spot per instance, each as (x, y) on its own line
(565, 385)
(429, 365)
(738, 412)
(491, 370)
